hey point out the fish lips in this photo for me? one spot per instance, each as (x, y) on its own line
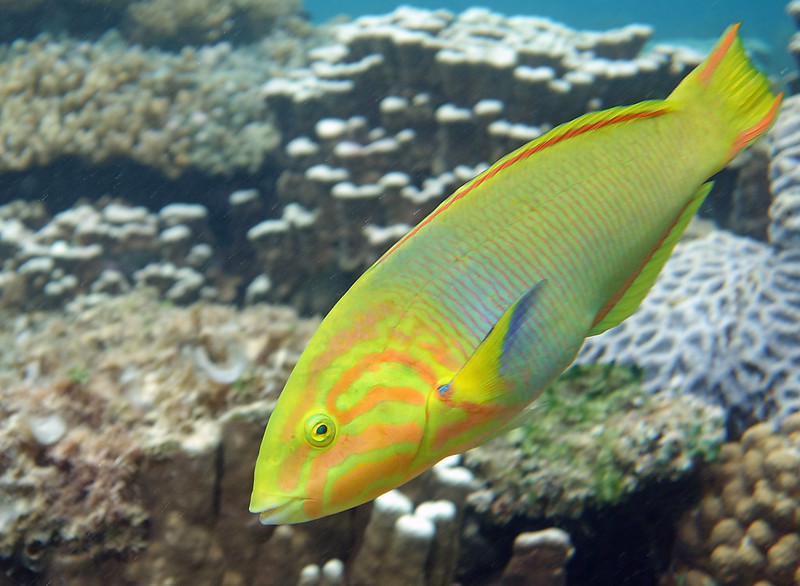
(279, 509)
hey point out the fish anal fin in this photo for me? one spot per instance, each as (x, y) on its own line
(627, 300)
(500, 363)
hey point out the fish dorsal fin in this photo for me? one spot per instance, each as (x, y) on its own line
(622, 304)
(500, 366)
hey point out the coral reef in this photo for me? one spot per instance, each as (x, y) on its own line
(793, 10)
(130, 424)
(203, 21)
(112, 427)
(719, 323)
(538, 560)
(203, 108)
(104, 100)
(403, 108)
(612, 441)
(716, 324)
(367, 139)
(105, 249)
(784, 226)
(746, 528)
(129, 430)
(162, 22)
(540, 70)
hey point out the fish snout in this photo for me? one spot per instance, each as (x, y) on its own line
(279, 509)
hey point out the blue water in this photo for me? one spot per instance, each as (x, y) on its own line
(765, 20)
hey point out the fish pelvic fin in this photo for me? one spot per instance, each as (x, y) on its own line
(727, 82)
(625, 302)
(497, 370)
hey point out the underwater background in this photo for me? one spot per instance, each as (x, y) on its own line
(187, 186)
(680, 18)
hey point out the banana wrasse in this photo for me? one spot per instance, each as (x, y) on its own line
(462, 323)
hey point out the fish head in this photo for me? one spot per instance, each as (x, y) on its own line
(330, 447)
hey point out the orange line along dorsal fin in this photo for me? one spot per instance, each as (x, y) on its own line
(623, 303)
(587, 123)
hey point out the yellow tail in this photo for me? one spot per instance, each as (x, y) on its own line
(738, 93)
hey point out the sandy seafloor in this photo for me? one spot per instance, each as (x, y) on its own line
(187, 186)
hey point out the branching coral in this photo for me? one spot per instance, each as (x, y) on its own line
(100, 101)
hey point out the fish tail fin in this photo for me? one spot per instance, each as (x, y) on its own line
(728, 86)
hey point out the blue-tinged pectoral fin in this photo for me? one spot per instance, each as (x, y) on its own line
(501, 369)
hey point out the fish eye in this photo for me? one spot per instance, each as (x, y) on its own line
(320, 430)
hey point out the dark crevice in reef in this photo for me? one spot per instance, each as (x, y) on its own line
(628, 545)
(68, 181)
(58, 17)
(79, 20)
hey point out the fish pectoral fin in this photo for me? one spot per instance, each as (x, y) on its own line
(627, 300)
(500, 366)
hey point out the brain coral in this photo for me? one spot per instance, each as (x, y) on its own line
(722, 319)
(784, 172)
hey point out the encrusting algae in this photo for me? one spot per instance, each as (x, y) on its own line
(612, 440)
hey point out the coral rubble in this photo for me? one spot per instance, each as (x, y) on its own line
(112, 427)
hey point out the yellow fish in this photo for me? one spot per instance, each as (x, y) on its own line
(461, 324)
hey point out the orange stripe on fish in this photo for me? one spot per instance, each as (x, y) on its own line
(748, 135)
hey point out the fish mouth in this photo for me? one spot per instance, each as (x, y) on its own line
(279, 510)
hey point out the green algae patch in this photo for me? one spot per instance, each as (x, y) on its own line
(591, 439)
